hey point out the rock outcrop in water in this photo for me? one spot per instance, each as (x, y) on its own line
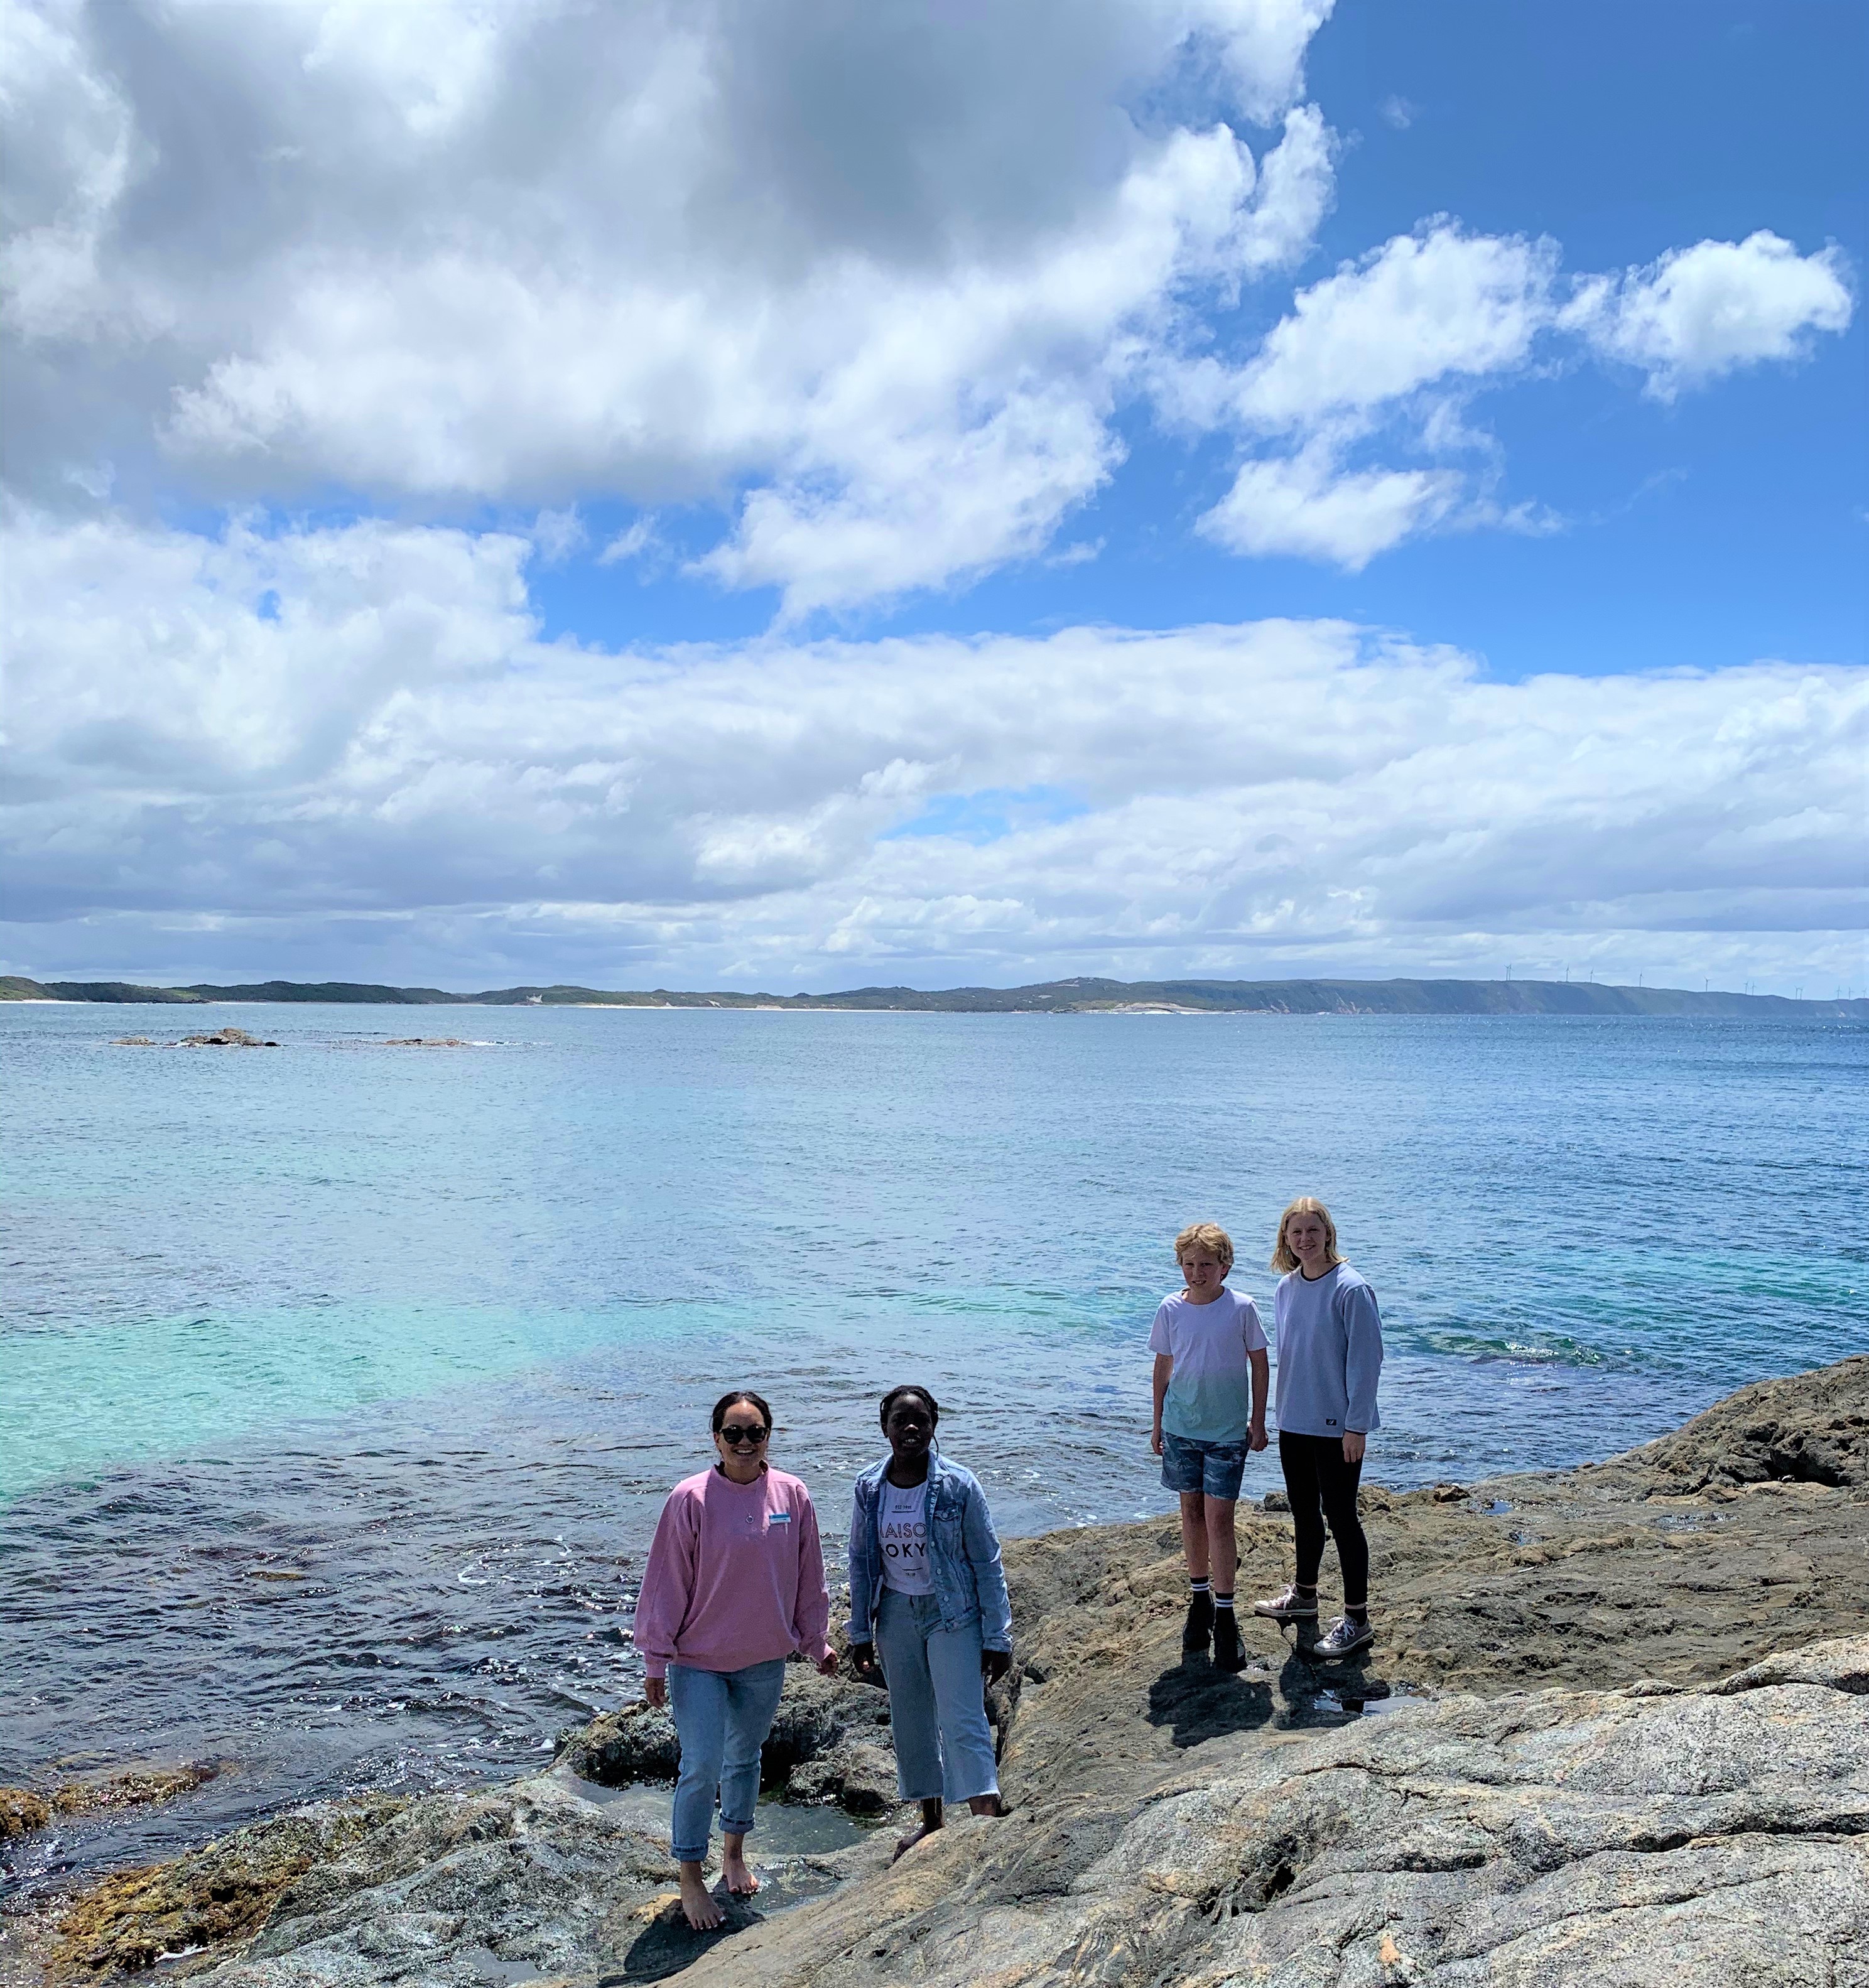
(23, 1810)
(1616, 1732)
(228, 1038)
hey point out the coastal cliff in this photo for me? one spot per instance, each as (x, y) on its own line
(1615, 1729)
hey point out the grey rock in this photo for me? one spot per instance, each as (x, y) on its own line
(206, 1900)
(636, 1743)
(1811, 1429)
(1553, 1840)
(528, 1882)
(857, 1774)
(813, 1714)
(530, 1877)
(815, 1717)
(1823, 1663)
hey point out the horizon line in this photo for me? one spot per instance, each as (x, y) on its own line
(1098, 989)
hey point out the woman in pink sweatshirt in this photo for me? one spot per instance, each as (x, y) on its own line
(735, 1583)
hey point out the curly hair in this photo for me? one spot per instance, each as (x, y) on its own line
(896, 1394)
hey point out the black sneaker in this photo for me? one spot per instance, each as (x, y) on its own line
(1227, 1654)
(1200, 1623)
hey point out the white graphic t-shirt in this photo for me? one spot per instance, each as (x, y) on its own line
(901, 1531)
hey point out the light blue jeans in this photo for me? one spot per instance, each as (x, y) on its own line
(937, 1707)
(721, 1718)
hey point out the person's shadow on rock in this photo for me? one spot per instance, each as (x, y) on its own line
(668, 1943)
(1317, 1693)
(1195, 1701)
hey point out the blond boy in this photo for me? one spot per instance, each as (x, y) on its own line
(1210, 1387)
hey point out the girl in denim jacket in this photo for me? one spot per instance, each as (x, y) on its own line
(928, 1597)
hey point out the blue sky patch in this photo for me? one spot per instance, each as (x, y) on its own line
(991, 815)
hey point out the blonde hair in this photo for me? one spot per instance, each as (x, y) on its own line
(1305, 1204)
(1205, 1236)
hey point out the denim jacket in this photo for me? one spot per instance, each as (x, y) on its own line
(964, 1555)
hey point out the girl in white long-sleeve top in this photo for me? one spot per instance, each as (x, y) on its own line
(1329, 1343)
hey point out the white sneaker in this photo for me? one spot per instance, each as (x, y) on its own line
(1343, 1638)
(1289, 1607)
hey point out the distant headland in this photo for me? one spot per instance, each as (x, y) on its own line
(1049, 997)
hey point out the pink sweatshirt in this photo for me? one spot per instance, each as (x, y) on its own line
(736, 1576)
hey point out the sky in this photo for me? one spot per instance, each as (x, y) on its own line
(804, 494)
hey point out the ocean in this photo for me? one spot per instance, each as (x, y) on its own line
(341, 1383)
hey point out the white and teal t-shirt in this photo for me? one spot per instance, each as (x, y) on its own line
(902, 1532)
(1210, 1392)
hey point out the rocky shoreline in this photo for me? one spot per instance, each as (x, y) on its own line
(1616, 1728)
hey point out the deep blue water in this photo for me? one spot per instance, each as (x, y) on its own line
(434, 1329)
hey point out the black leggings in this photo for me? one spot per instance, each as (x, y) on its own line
(1322, 1488)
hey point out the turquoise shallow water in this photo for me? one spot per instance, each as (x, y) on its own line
(430, 1331)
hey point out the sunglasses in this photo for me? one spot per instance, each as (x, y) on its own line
(737, 1432)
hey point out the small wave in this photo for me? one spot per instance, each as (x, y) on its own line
(1526, 1348)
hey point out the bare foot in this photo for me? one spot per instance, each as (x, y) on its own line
(904, 1843)
(698, 1903)
(739, 1881)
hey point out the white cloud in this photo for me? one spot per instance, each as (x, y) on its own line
(558, 534)
(1389, 347)
(1420, 309)
(814, 254)
(1264, 46)
(950, 502)
(173, 665)
(1307, 506)
(1295, 184)
(636, 541)
(1421, 319)
(314, 745)
(875, 285)
(1701, 311)
(71, 145)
